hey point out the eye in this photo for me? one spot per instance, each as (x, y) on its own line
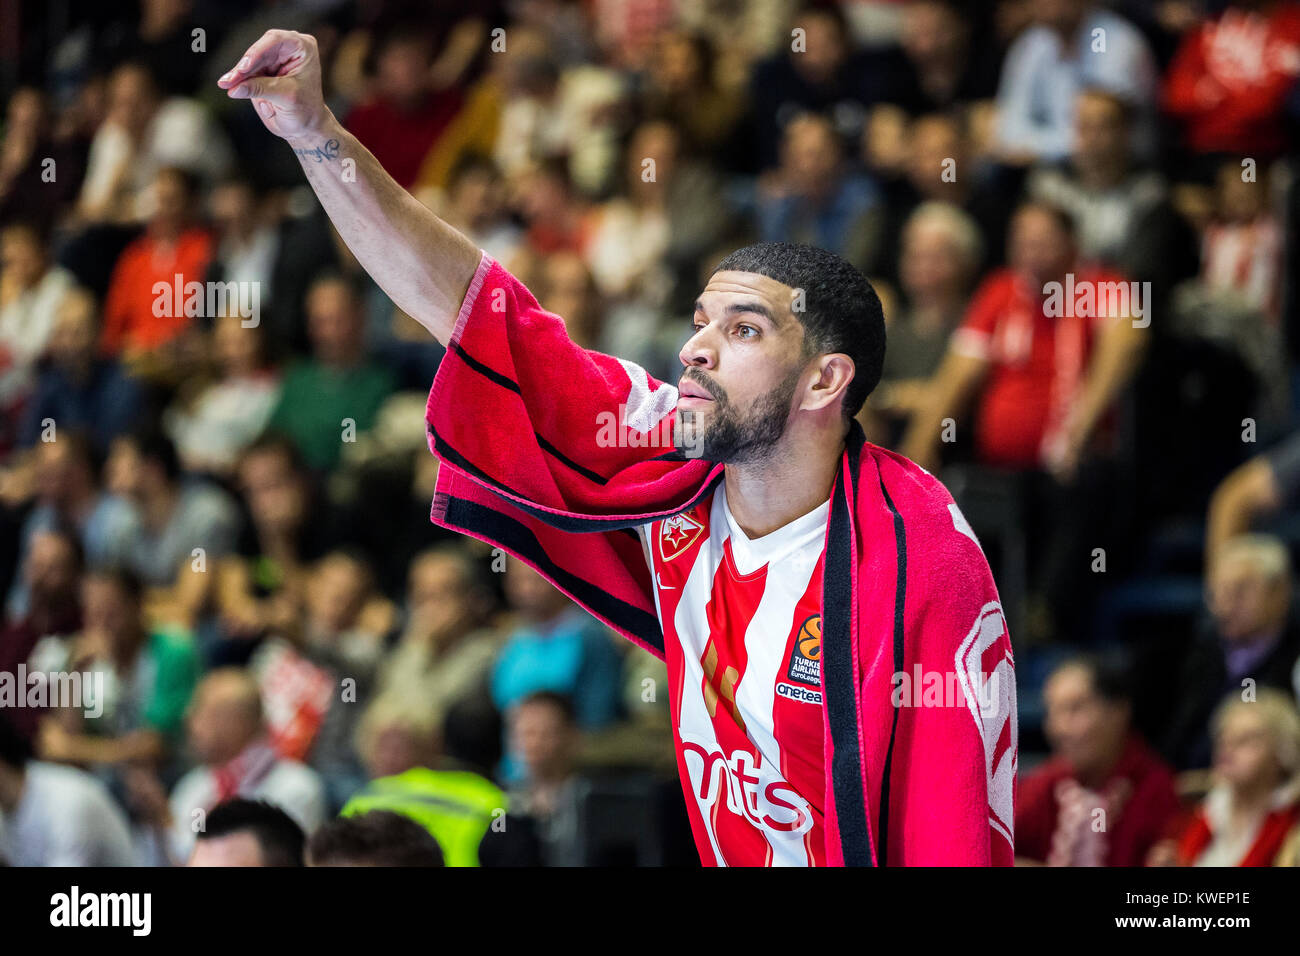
(740, 329)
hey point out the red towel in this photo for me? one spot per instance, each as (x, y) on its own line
(522, 419)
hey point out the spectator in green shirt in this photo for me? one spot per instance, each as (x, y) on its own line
(334, 395)
(148, 676)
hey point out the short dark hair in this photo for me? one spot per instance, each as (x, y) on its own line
(1110, 674)
(152, 444)
(560, 702)
(274, 442)
(1063, 217)
(278, 836)
(128, 583)
(471, 732)
(378, 838)
(841, 313)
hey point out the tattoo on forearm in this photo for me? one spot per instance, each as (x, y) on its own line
(330, 150)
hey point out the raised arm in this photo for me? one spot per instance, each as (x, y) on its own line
(423, 264)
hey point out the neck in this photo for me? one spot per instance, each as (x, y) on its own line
(1102, 174)
(933, 311)
(1252, 799)
(767, 495)
(126, 650)
(159, 506)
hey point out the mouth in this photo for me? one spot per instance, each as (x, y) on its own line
(692, 391)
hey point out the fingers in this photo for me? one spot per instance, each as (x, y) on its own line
(275, 89)
(262, 57)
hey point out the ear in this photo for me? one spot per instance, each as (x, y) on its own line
(832, 374)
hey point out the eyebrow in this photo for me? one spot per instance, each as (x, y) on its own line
(739, 308)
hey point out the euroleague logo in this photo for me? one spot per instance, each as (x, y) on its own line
(806, 657)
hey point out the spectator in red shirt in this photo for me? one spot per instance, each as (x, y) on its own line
(1104, 798)
(404, 118)
(173, 250)
(1042, 382)
(1046, 348)
(1230, 79)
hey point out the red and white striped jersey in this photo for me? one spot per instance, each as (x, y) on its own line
(742, 638)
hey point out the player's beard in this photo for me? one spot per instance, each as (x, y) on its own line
(728, 435)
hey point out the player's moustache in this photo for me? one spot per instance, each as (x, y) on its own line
(713, 388)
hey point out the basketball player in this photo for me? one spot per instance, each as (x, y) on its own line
(840, 676)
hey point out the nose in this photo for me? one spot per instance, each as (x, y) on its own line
(699, 351)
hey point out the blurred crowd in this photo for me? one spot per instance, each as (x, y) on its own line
(220, 515)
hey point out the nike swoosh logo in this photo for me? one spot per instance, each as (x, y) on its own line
(666, 587)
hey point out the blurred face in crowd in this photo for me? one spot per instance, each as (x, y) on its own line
(931, 34)
(825, 48)
(1244, 752)
(931, 266)
(131, 98)
(168, 203)
(337, 593)
(653, 140)
(1100, 133)
(72, 341)
(62, 473)
(569, 292)
(531, 594)
(1040, 249)
(21, 256)
(334, 322)
(396, 747)
(234, 849)
(273, 491)
(541, 195)
(810, 155)
(50, 569)
(475, 198)
(1084, 728)
(238, 349)
(26, 114)
(1246, 601)
(233, 206)
(224, 716)
(544, 739)
(402, 68)
(441, 603)
(935, 140)
(107, 609)
(743, 365)
(1238, 201)
(677, 67)
(1063, 16)
(129, 474)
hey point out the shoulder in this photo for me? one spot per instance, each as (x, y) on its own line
(1033, 43)
(295, 784)
(173, 646)
(921, 500)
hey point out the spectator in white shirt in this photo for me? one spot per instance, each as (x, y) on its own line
(228, 735)
(52, 815)
(1073, 44)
